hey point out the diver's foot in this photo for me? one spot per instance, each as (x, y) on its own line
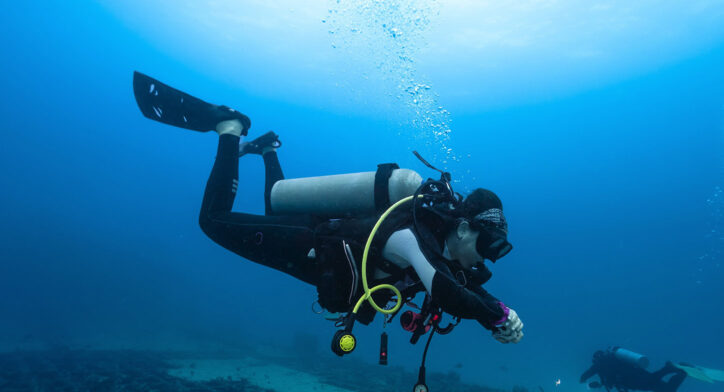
(263, 143)
(225, 117)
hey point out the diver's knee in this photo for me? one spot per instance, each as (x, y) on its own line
(207, 224)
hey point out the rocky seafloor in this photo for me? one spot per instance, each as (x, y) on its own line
(90, 370)
(74, 370)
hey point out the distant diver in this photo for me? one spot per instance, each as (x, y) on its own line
(411, 236)
(626, 371)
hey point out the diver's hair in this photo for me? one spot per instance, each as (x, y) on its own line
(478, 201)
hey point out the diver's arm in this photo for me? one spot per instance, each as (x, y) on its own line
(403, 249)
(588, 373)
(462, 302)
(489, 299)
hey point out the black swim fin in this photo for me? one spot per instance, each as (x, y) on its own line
(165, 104)
(257, 146)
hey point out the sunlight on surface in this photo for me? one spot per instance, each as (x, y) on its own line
(546, 47)
(417, 62)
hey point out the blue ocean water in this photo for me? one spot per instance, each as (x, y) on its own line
(601, 127)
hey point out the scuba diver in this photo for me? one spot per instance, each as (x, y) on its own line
(626, 371)
(411, 236)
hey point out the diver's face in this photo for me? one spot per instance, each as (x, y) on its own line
(464, 249)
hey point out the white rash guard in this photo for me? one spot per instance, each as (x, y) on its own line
(403, 249)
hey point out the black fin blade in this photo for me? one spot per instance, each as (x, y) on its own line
(163, 103)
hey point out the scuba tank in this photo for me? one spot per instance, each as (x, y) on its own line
(354, 194)
(630, 357)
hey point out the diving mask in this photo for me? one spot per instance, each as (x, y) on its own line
(492, 242)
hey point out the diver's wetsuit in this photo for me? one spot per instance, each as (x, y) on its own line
(284, 242)
(255, 237)
(625, 377)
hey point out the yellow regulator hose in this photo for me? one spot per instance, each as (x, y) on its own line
(367, 296)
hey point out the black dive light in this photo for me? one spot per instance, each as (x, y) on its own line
(383, 348)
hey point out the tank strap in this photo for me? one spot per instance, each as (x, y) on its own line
(382, 181)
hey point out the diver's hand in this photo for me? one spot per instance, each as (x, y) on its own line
(510, 331)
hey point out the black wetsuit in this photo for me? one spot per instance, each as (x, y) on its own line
(284, 243)
(625, 377)
(255, 237)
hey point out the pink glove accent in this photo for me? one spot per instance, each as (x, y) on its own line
(506, 312)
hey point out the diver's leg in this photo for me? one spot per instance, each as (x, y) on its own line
(266, 145)
(273, 173)
(666, 369)
(674, 382)
(279, 242)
